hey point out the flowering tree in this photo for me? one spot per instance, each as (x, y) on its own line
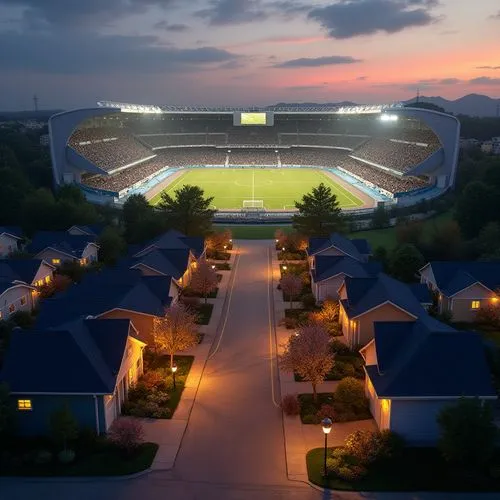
(204, 279)
(308, 354)
(127, 433)
(217, 240)
(176, 331)
(328, 313)
(292, 286)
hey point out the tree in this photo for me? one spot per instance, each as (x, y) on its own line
(291, 285)
(380, 218)
(204, 279)
(475, 207)
(468, 433)
(308, 354)
(380, 254)
(489, 241)
(176, 331)
(140, 220)
(217, 240)
(7, 413)
(127, 433)
(405, 261)
(64, 426)
(445, 241)
(111, 245)
(188, 211)
(319, 213)
(409, 232)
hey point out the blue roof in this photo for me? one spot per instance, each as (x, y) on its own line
(327, 266)
(452, 277)
(415, 359)
(356, 249)
(106, 290)
(422, 292)
(60, 240)
(85, 357)
(364, 294)
(19, 269)
(169, 262)
(172, 240)
(90, 229)
(15, 231)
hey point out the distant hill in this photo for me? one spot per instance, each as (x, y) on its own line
(43, 115)
(472, 104)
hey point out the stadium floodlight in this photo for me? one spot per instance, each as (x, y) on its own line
(388, 118)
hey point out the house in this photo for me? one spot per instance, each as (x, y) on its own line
(90, 230)
(113, 293)
(58, 247)
(330, 271)
(336, 244)
(10, 238)
(363, 301)
(463, 288)
(35, 272)
(171, 254)
(414, 369)
(15, 297)
(88, 366)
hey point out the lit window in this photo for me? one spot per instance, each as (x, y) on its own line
(23, 300)
(47, 279)
(12, 308)
(475, 304)
(56, 261)
(24, 405)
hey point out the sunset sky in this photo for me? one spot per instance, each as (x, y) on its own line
(240, 52)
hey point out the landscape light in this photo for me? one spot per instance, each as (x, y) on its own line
(326, 425)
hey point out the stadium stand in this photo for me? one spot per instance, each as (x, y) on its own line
(253, 157)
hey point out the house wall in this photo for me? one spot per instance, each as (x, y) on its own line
(427, 277)
(90, 253)
(461, 303)
(370, 354)
(43, 272)
(143, 323)
(12, 297)
(36, 422)
(379, 408)
(7, 245)
(328, 288)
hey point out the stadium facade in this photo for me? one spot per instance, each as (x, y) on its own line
(395, 154)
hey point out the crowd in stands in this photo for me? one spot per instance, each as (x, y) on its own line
(194, 139)
(333, 141)
(400, 156)
(253, 157)
(109, 151)
(126, 178)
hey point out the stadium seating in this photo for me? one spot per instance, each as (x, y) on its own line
(253, 157)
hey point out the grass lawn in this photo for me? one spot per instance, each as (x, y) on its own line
(346, 365)
(416, 469)
(256, 232)
(204, 312)
(277, 188)
(107, 461)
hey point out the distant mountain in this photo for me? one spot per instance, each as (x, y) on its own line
(472, 104)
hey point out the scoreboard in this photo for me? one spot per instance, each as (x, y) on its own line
(249, 119)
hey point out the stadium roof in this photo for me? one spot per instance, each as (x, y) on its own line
(326, 108)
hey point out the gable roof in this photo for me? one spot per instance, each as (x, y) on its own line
(104, 291)
(421, 292)
(327, 266)
(90, 229)
(14, 231)
(453, 276)
(419, 360)
(352, 248)
(171, 262)
(364, 294)
(62, 241)
(85, 357)
(23, 270)
(5, 285)
(171, 240)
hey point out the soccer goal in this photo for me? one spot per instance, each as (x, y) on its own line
(253, 204)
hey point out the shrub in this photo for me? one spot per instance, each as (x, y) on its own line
(43, 457)
(310, 419)
(363, 445)
(349, 398)
(339, 348)
(344, 465)
(64, 426)
(341, 370)
(489, 316)
(66, 456)
(126, 433)
(152, 379)
(308, 300)
(326, 411)
(290, 405)
(289, 323)
(191, 302)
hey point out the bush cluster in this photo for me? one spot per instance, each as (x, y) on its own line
(290, 405)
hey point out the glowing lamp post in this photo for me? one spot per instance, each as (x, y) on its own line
(326, 424)
(225, 247)
(213, 266)
(174, 369)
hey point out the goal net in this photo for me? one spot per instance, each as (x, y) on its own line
(253, 204)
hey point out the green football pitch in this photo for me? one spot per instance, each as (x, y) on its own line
(277, 188)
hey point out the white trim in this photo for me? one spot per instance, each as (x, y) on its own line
(96, 407)
(13, 236)
(122, 309)
(469, 286)
(372, 341)
(135, 266)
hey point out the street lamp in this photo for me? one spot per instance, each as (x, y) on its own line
(174, 369)
(225, 246)
(326, 424)
(213, 266)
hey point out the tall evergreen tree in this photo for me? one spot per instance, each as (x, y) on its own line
(319, 213)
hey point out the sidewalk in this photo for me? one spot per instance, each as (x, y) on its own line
(300, 438)
(169, 433)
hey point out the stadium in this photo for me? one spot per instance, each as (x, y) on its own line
(256, 162)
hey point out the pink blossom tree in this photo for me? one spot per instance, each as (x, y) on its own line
(308, 354)
(204, 279)
(127, 433)
(176, 331)
(292, 286)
